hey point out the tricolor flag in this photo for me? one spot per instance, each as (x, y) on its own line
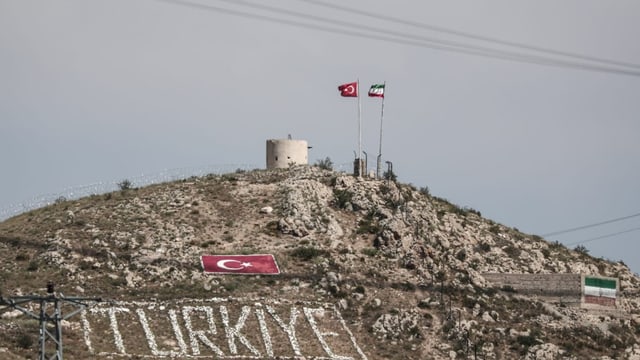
(376, 90)
(349, 90)
(600, 290)
(240, 264)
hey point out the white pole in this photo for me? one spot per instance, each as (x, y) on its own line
(359, 132)
(384, 84)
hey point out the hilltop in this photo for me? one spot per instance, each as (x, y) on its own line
(370, 269)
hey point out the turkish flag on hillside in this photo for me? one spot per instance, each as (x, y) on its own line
(349, 90)
(240, 264)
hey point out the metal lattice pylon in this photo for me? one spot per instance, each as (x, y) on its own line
(50, 317)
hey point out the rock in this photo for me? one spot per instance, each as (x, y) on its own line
(11, 314)
(486, 317)
(545, 351)
(266, 210)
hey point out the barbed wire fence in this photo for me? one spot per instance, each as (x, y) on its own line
(141, 180)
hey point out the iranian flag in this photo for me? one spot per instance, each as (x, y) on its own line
(240, 264)
(376, 90)
(599, 290)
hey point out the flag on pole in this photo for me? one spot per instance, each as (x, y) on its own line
(240, 264)
(376, 90)
(349, 90)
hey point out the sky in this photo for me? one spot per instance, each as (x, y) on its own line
(94, 92)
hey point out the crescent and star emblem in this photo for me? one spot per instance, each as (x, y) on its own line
(233, 265)
(350, 89)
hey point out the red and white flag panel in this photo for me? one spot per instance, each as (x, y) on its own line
(349, 90)
(240, 264)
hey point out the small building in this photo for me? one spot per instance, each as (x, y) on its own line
(282, 153)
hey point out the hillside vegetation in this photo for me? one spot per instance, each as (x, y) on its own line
(370, 269)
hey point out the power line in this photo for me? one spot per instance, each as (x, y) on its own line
(559, 232)
(470, 35)
(604, 236)
(401, 38)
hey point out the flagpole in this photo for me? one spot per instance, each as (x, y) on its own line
(379, 162)
(359, 131)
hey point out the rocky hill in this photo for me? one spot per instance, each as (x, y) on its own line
(369, 269)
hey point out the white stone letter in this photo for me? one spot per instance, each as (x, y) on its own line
(151, 339)
(266, 338)
(290, 329)
(117, 337)
(234, 332)
(320, 335)
(195, 335)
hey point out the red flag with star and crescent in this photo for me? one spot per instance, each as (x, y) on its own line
(240, 264)
(349, 90)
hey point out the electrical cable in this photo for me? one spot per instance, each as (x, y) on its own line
(559, 232)
(604, 236)
(425, 42)
(469, 35)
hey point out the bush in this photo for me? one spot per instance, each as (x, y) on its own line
(22, 257)
(367, 225)
(343, 197)
(512, 251)
(307, 252)
(33, 266)
(389, 175)
(369, 251)
(25, 341)
(526, 340)
(483, 247)
(581, 249)
(425, 191)
(125, 184)
(325, 164)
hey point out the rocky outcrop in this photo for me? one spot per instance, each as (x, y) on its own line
(406, 269)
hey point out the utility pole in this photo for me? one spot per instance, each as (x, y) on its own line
(50, 317)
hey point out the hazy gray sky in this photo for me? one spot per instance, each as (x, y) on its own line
(105, 90)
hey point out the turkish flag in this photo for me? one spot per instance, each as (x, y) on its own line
(240, 264)
(349, 90)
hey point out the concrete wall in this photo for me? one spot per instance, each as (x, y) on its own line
(282, 153)
(566, 288)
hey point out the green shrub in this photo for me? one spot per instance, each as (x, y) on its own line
(33, 266)
(369, 251)
(512, 251)
(343, 197)
(483, 247)
(581, 249)
(526, 340)
(125, 184)
(404, 286)
(390, 175)
(367, 226)
(307, 252)
(22, 257)
(325, 164)
(25, 341)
